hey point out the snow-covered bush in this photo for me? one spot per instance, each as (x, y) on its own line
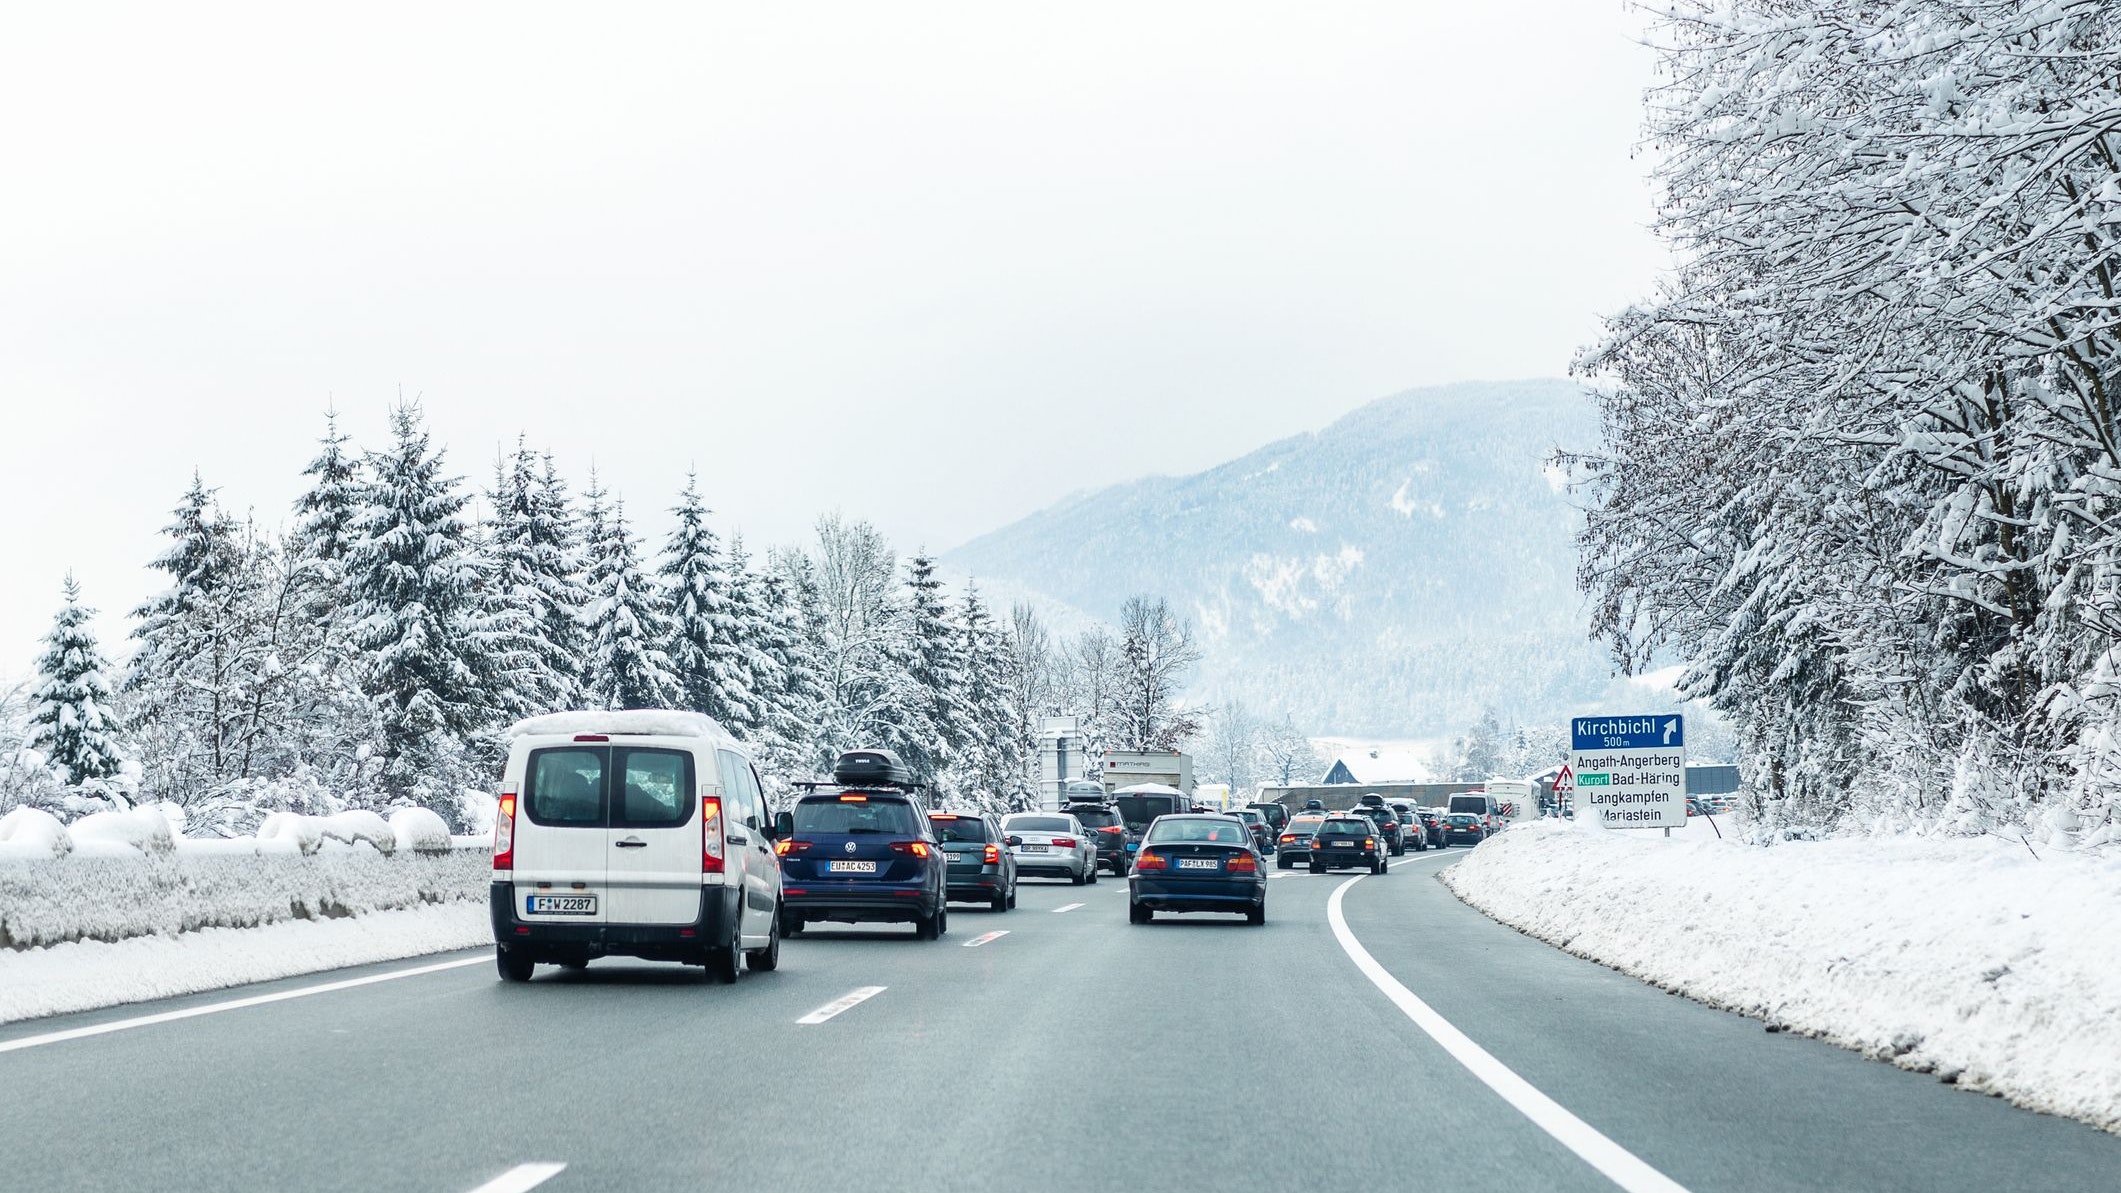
(419, 830)
(34, 831)
(309, 833)
(140, 828)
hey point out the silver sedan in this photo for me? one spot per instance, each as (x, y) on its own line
(1053, 844)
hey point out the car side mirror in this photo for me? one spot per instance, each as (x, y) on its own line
(1013, 841)
(784, 825)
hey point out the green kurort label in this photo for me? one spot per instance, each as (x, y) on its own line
(1597, 780)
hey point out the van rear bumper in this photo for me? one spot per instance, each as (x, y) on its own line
(716, 927)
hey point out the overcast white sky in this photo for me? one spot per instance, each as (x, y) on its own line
(934, 265)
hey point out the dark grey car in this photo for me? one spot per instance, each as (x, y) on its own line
(981, 868)
(1103, 823)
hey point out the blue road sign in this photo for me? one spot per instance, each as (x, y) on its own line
(1628, 733)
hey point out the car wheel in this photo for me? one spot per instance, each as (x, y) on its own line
(1139, 914)
(768, 959)
(942, 922)
(1317, 869)
(999, 902)
(1092, 871)
(1257, 915)
(723, 965)
(1076, 878)
(1012, 898)
(514, 967)
(1282, 863)
(925, 927)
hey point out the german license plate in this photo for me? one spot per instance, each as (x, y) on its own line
(850, 867)
(1034, 849)
(1199, 863)
(561, 905)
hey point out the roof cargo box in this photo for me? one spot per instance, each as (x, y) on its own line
(873, 768)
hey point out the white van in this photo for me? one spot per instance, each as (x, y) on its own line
(638, 834)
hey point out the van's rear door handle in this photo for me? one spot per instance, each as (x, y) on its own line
(739, 839)
(631, 844)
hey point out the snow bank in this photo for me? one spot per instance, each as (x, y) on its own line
(1970, 959)
(84, 976)
(112, 892)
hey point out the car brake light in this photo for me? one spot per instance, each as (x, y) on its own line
(1114, 829)
(992, 856)
(789, 846)
(1287, 837)
(916, 848)
(710, 834)
(1369, 842)
(1064, 842)
(854, 799)
(1150, 861)
(592, 737)
(1242, 864)
(504, 833)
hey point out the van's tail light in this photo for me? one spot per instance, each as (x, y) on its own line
(1151, 861)
(504, 833)
(1064, 842)
(992, 856)
(710, 835)
(916, 848)
(790, 847)
(1241, 864)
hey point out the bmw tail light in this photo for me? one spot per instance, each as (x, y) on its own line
(504, 833)
(710, 834)
(1241, 864)
(1151, 861)
(1287, 837)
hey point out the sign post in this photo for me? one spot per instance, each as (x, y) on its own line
(1630, 771)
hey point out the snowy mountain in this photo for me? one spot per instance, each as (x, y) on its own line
(1390, 575)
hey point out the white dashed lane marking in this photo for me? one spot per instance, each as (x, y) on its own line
(989, 938)
(1066, 907)
(521, 1178)
(845, 1002)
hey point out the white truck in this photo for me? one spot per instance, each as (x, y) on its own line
(1129, 768)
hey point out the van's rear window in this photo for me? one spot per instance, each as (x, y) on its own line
(830, 814)
(566, 787)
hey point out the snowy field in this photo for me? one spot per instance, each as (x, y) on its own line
(1971, 959)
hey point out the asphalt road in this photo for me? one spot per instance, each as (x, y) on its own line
(1077, 1052)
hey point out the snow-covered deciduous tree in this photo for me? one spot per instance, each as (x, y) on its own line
(1287, 755)
(1862, 458)
(1230, 750)
(1156, 652)
(629, 660)
(71, 721)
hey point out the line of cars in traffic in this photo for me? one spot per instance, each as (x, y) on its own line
(647, 834)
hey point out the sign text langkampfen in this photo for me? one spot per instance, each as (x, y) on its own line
(1630, 771)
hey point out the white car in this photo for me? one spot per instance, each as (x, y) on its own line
(640, 834)
(1051, 843)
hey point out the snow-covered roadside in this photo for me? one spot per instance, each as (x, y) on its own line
(85, 975)
(1970, 959)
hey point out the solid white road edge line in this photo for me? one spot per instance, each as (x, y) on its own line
(1066, 907)
(845, 1002)
(990, 937)
(1615, 1162)
(520, 1178)
(259, 1000)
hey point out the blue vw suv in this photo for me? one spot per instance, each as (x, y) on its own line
(860, 850)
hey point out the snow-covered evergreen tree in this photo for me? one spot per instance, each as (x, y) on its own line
(325, 511)
(794, 703)
(71, 720)
(427, 662)
(938, 724)
(535, 588)
(629, 660)
(694, 577)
